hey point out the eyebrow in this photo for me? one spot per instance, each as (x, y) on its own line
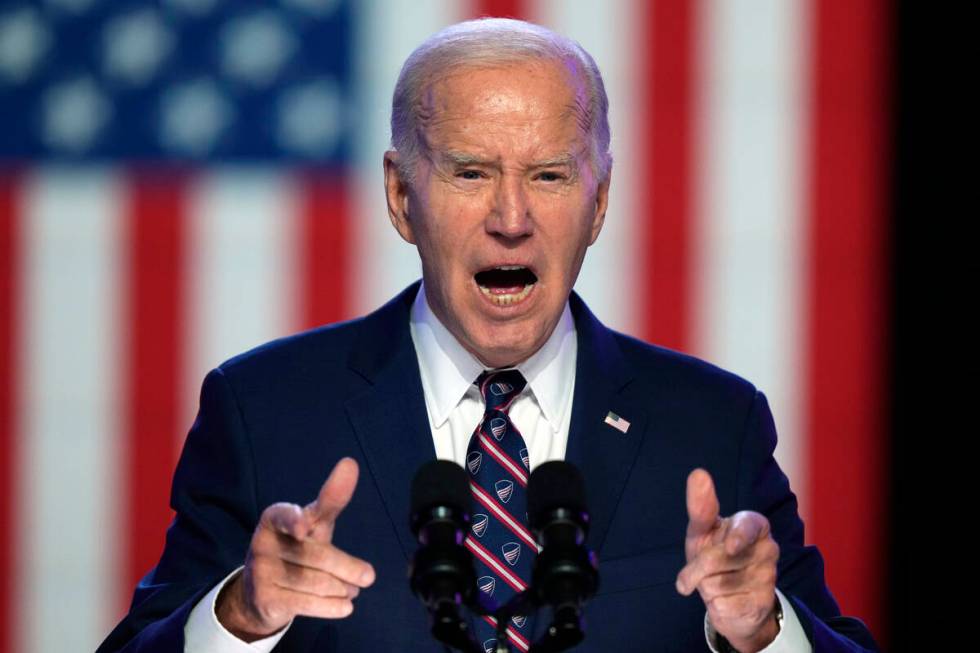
(463, 159)
(555, 162)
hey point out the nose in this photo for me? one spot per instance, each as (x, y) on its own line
(511, 214)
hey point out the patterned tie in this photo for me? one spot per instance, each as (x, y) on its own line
(500, 541)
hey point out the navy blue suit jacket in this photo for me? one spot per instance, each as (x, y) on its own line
(274, 421)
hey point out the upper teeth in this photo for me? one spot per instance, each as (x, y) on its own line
(510, 267)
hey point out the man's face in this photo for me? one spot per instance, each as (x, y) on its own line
(504, 203)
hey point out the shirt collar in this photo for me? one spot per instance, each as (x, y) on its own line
(448, 369)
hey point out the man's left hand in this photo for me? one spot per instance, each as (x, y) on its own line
(731, 562)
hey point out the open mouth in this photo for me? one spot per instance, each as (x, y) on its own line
(506, 284)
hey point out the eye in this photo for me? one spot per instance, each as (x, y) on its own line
(551, 176)
(469, 174)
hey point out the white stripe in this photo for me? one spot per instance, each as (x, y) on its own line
(750, 292)
(518, 639)
(515, 636)
(502, 515)
(492, 562)
(388, 31)
(502, 459)
(241, 281)
(70, 439)
(610, 32)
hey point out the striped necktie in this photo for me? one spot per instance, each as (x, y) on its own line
(499, 539)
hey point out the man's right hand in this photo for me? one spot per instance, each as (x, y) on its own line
(292, 568)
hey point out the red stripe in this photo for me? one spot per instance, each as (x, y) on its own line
(482, 555)
(501, 8)
(512, 634)
(325, 246)
(503, 459)
(9, 305)
(847, 312)
(667, 97)
(154, 235)
(480, 495)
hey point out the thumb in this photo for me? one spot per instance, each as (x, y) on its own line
(335, 493)
(702, 504)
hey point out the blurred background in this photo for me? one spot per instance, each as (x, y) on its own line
(181, 180)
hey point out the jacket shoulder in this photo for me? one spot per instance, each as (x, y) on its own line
(326, 344)
(331, 347)
(678, 375)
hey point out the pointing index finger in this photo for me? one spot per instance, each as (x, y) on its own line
(335, 493)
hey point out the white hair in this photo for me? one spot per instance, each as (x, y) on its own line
(488, 42)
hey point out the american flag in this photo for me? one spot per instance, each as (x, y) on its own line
(183, 179)
(617, 422)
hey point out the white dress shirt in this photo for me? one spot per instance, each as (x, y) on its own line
(542, 413)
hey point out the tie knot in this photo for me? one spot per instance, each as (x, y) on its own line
(500, 388)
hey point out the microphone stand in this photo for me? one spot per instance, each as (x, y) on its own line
(564, 632)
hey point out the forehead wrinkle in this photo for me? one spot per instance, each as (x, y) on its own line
(436, 106)
(579, 112)
(580, 104)
(436, 110)
(429, 115)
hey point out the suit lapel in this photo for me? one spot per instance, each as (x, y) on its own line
(389, 417)
(604, 454)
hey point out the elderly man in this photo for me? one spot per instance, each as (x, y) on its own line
(499, 175)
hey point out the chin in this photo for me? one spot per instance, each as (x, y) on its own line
(503, 352)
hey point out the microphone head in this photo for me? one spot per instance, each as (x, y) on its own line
(440, 483)
(554, 485)
(441, 572)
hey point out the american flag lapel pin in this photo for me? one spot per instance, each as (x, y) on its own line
(617, 422)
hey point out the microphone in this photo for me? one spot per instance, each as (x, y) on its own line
(441, 572)
(565, 573)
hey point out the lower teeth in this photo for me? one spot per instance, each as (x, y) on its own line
(508, 298)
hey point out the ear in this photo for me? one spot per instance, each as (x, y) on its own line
(601, 202)
(396, 192)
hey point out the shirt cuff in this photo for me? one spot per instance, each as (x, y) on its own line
(791, 638)
(203, 633)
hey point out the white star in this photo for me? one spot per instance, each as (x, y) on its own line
(320, 8)
(73, 114)
(23, 41)
(255, 47)
(310, 118)
(193, 117)
(134, 45)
